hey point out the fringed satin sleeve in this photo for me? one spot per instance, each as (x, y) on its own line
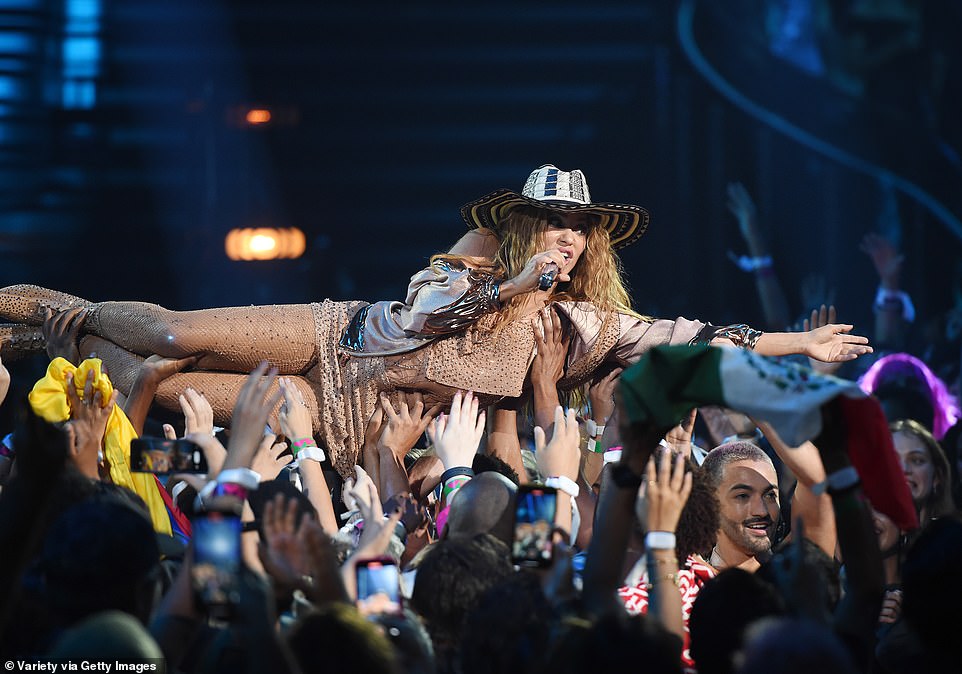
(639, 335)
(446, 297)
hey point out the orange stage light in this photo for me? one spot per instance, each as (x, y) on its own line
(257, 116)
(265, 243)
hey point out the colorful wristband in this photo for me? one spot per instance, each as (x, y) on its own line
(452, 485)
(595, 447)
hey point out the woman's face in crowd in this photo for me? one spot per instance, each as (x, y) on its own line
(568, 233)
(886, 530)
(916, 464)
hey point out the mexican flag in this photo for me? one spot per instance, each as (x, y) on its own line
(668, 381)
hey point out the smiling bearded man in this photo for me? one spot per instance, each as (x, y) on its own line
(746, 485)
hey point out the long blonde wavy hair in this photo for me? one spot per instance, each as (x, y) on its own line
(597, 277)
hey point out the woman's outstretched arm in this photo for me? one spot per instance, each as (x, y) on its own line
(829, 343)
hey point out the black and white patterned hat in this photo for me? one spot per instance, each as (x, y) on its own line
(550, 187)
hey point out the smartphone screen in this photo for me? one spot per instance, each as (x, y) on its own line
(215, 572)
(533, 521)
(378, 586)
(161, 456)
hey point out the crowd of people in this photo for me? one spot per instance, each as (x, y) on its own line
(510, 470)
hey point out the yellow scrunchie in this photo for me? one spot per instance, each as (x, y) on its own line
(49, 401)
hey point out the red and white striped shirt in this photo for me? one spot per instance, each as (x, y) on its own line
(695, 573)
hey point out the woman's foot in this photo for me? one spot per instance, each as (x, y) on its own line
(27, 304)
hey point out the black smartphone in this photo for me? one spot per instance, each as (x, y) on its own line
(534, 515)
(215, 572)
(378, 586)
(162, 456)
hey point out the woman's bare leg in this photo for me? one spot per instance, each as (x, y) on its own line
(236, 339)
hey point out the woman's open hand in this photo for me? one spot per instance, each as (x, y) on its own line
(832, 344)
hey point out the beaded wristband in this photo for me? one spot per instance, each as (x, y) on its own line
(452, 485)
(671, 561)
(673, 578)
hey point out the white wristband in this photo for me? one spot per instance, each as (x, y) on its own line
(884, 296)
(595, 446)
(245, 477)
(310, 454)
(660, 540)
(594, 430)
(612, 456)
(178, 490)
(565, 484)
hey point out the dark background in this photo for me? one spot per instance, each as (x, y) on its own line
(125, 160)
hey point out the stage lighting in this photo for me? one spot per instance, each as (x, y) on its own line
(265, 243)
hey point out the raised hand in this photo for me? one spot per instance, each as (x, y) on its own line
(832, 344)
(60, 332)
(361, 493)
(560, 457)
(270, 458)
(154, 370)
(249, 417)
(88, 423)
(885, 257)
(198, 414)
(552, 348)
(403, 426)
(294, 416)
(679, 437)
(214, 452)
(601, 395)
(456, 436)
(283, 550)
(819, 318)
(815, 291)
(667, 491)
(377, 532)
(740, 205)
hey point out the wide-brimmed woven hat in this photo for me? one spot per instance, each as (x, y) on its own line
(550, 187)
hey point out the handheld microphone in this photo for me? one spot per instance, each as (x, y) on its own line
(548, 273)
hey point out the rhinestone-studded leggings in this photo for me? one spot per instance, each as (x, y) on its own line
(235, 339)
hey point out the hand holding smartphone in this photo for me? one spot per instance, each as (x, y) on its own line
(378, 586)
(533, 525)
(216, 567)
(162, 456)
